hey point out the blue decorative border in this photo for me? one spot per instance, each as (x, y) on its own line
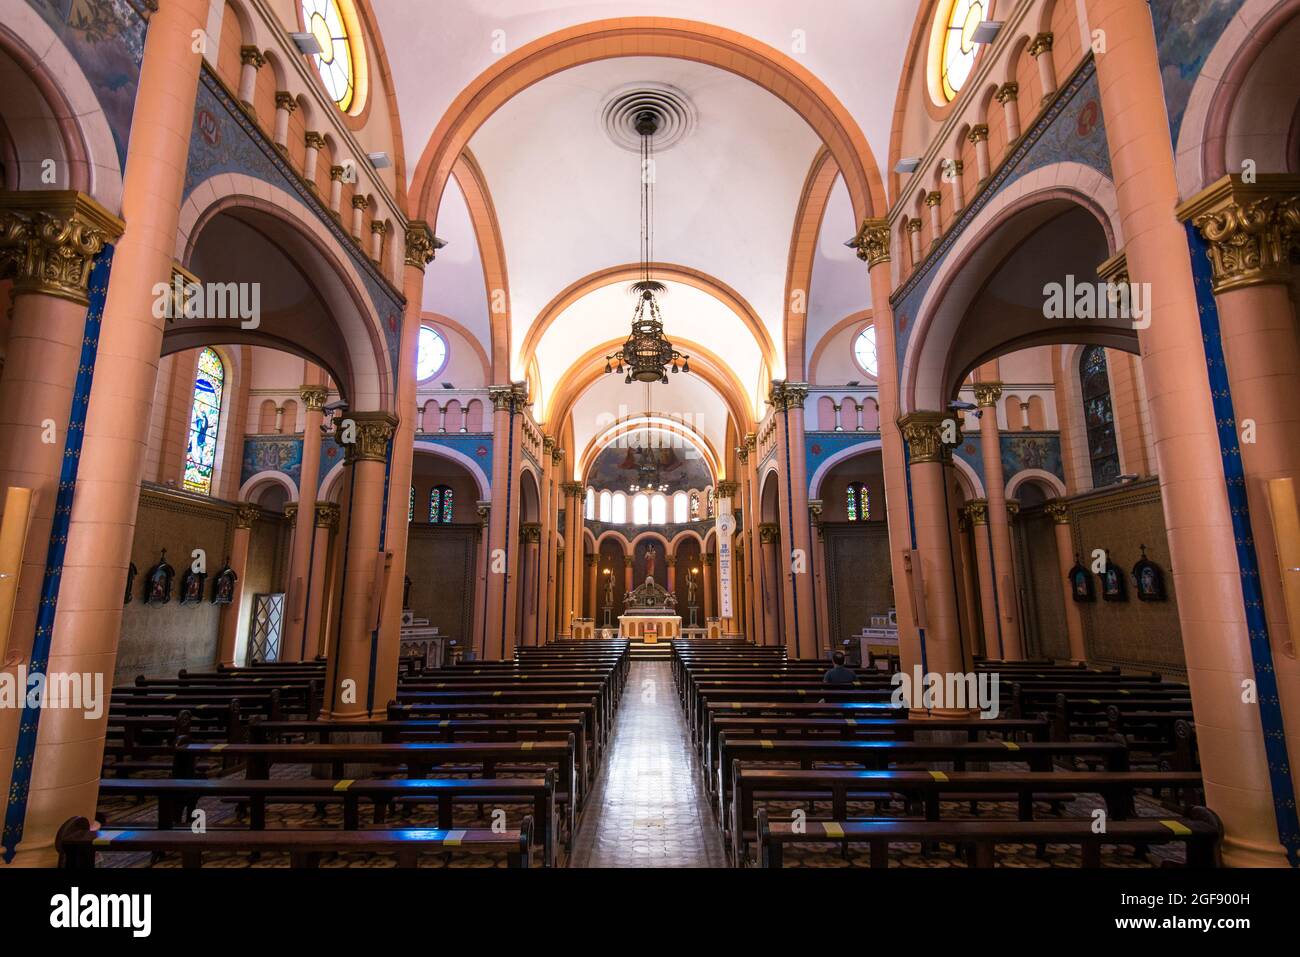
(25, 752)
(1261, 653)
(468, 444)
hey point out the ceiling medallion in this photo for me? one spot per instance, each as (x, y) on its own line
(621, 109)
(647, 355)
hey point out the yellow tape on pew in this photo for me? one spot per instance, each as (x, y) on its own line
(832, 829)
(344, 784)
(444, 722)
(496, 694)
(102, 841)
(453, 838)
(562, 706)
(1177, 827)
(802, 692)
(851, 721)
(766, 743)
(527, 745)
(219, 747)
(1011, 745)
(938, 775)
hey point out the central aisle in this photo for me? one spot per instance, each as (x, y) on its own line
(648, 809)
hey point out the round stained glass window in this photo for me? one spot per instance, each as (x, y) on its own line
(864, 350)
(336, 63)
(958, 48)
(431, 355)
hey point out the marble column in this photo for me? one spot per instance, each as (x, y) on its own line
(934, 202)
(295, 644)
(546, 532)
(821, 584)
(245, 515)
(347, 685)
(251, 60)
(1060, 514)
(285, 104)
(748, 457)
(591, 599)
(481, 575)
(315, 143)
(530, 543)
(1008, 94)
(508, 403)
(1040, 48)
(914, 241)
(378, 229)
(979, 135)
(628, 584)
(955, 169)
(710, 586)
(554, 562)
(336, 191)
(671, 561)
(995, 484)
(359, 206)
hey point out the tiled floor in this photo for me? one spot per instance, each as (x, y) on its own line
(648, 809)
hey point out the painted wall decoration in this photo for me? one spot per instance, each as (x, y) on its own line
(272, 454)
(821, 446)
(223, 586)
(106, 38)
(1081, 583)
(1112, 582)
(158, 583)
(1038, 450)
(1148, 579)
(192, 583)
(642, 454)
(475, 446)
(1186, 32)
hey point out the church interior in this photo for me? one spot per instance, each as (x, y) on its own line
(649, 434)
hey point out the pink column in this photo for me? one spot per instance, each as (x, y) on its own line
(977, 511)
(571, 602)
(1201, 537)
(336, 191)
(245, 515)
(530, 541)
(378, 229)
(671, 562)
(547, 534)
(294, 645)
(747, 454)
(284, 105)
(475, 637)
(1004, 570)
(710, 586)
(591, 599)
(979, 135)
(934, 201)
(1060, 512)
(914, 239)
(327, 520)
(954, 180)
(1007, 95)
(251, 60)
(347, 685)
(315, 143)
(359, 206)
(1040, 48)
(769, 536)
(800, 635)
(503, 592)
(628, 584)
(69, 750)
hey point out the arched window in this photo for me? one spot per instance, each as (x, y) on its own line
(864, 350)
(606, 507)
(641, 509)
(440, 506)
(695, 506)
(205, 423)
(336, 63)
(1094, 383)
(590, 510)
(658, 510)
(857, 502)
(410, 509)
(681, 510)
(619, 513)
(957, 47)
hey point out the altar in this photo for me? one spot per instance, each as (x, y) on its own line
(649, 614)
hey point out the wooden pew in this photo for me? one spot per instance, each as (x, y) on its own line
(78, 844)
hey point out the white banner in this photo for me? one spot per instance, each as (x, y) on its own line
(726, 524)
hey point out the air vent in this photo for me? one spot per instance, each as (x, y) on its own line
(674, 111)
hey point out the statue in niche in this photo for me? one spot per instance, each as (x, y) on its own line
(223, 586)
(1112, 582)
(1081, 587)
(158, 583)
(1148, 579)
(192, 586)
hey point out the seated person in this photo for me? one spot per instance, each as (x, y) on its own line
(839, 675)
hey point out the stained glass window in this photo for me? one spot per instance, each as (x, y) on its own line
(857, 502)
(710, 503)
(410, 509)
(957, 53)
(334, 63)
(1098, 416)
(205, 421)
(864, 350)
(440, 505)
(695, 506)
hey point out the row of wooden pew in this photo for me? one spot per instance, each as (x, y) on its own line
(768, 729)
(529, 734)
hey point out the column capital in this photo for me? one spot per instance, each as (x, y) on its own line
(530, 532)
(548, 444)
(246, 513)
(378, 227)
(360, 202)
(557, 457)
(291, 511)
(574, 489)
(337, 172)
(313, 397)
(1040, 44)
(727, 489)
(484, 508)
(769, 533)
(251, 56)
(627, 561)
(508, 398)
(371, 432)
(1008, 92)
(49, 240)
(933, 198)
(977, 511)
(1253, 229)
(788, 395)
(914, 225)
(421, 244)
(313, 140)
(1115, 269)
(284, 101)
(1013, 509)
(987, 394)
(978, 132)
(327, 515)
(923, 433)
(872, 241)
(1058, 510)
(815, 510)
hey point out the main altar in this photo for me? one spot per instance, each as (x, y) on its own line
(649, 613)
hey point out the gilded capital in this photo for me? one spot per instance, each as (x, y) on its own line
(530, 532)
(337, 173)
(627, 561)
(1115, 269)
(365, 435)
(291, 511)
(924, 434)
(378, 227)
(483, 508)
(1058, 510)
(327, 515)
(987, 394)
(768, 533)
(1008, 92)
(672, 561)
(914, 225)
(591, 560)
(548, 444)
(284, 101)
(707, 559)
(1040, 44)
(421, 244)
(246, 514)
(573, 489)
(252, 56)
(508, 398)
(360, 202)
(933, 198)
(728, 489)
(1013, 509)
(978, 132)
(788, 395)
(313, 397)
(977, 511)
(314, 140)
(49, 240)
(557, 456)
(1253, 229)
(872, 242)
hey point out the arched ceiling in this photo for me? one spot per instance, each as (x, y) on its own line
(841, 285)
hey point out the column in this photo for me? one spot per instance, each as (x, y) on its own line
(347, 685)
(359, 206)
(730, 491)
(934, 200)
(475, 638)
(315, 143)
(748, 457)
(1060, 513)
(592, 598)
(627, 573)
(295, 643)
(327, 520)
(1007, 95)
(821, 585)
(1202, 539)
(547, 533)
(378, 229)
(507, 403)
(336, 191)
(995, 485)
(1252, 231)
(530, 543)
(914, 241)
(81, 603)
(284, 105)
(979, 135)
(955, 169)
(710, 586)
(245, 515)
(800, 635)
(1040, 48)
(572, 601)
(977, 512)
(769, 535)
(930, 458)
(251, 60)
(555, 562)
(671, 561)
(968, 588)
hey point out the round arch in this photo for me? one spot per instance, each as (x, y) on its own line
(461, 459)
(1037, 476)
(260, 481)
(650, 423)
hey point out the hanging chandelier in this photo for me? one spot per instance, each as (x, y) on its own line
(647, 356)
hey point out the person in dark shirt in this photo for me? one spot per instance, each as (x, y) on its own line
(839, 675)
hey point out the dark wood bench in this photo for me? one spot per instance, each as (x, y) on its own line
(78, 844)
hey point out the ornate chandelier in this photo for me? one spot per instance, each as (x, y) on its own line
(647, 355)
